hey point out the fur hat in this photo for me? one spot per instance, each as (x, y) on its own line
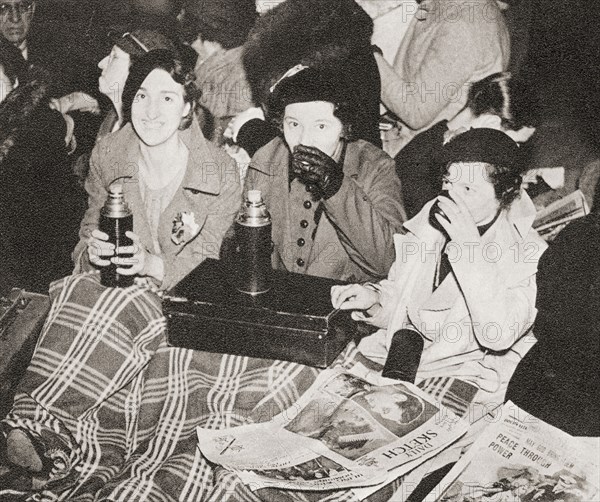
(224, 21)
(140, 41)
(315, 33)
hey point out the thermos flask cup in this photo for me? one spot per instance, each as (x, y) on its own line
(116, 218)
(253, 246)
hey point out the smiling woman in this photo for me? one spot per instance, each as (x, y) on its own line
(158, 109)
(176, 175)
(159, 100)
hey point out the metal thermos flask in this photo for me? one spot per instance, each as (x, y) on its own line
(116, 219)
(253, 246)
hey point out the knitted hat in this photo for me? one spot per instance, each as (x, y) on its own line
(482, 145)
(224, 21)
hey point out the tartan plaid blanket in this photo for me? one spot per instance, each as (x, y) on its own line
(105, 384)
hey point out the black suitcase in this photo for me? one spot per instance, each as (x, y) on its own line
(294, 321)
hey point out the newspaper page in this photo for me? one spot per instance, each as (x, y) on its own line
(554, 217)
(523, 459)
(345, 431)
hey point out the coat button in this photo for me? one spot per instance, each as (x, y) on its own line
(307, 204)
(300, 242)
(304, 223)
(300, 262)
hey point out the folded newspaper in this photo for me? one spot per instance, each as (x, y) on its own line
(345, 431)
(554, 217)
(523, 459)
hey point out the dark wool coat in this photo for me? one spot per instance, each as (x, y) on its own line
(40, 201)
(558, 380)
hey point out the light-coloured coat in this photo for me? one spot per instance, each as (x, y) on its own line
(449, 44)
(511, 250)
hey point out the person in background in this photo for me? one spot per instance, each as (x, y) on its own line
(472, 309)
(217, 31)
(40, 202)
(557, 381)
(334, 200)
(496, 102)
(446, 46)
(49, 49)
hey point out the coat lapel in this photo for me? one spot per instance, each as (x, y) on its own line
(202, 177)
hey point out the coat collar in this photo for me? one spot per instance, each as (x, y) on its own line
(204, 177)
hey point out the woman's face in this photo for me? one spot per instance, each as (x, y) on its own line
(115, 70)
(312, 124)
(158, 108)
(472, 182)
(387, 405)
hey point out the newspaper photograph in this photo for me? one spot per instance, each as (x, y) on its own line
(523, 459)
(344, 432)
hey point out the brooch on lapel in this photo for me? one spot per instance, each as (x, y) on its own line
(185, 228)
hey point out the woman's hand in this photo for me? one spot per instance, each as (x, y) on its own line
(99, 249)
(353, 297)
(142, 262)
(459, 225)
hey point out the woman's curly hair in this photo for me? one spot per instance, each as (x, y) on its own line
(164, 60)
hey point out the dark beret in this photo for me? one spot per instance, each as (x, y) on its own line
(482, 145)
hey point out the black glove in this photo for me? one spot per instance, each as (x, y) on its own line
(321, 174)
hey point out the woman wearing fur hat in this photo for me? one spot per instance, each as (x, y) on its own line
(217, 30)
(335, 201)
(333, 36)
